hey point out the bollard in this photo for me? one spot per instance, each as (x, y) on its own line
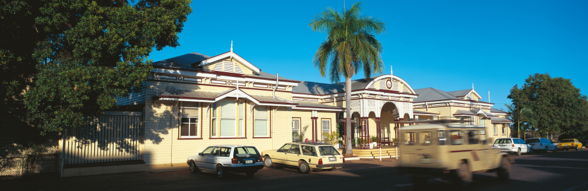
(380, 153)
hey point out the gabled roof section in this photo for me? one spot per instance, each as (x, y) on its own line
(464, 93)
(182, 62)
(494, 110)
(430, 94)
(318, 88)
(229, 55)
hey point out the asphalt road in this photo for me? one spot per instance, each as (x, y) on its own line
(567, 170)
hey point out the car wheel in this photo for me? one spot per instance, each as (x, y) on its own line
(267, 161)
(503, 171)
(193, 168)
(419, 181)
(303, 167)
(220, 172)
(250, 173)
(463, 176)
(519, 152)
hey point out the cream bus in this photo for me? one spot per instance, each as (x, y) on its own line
(453, 152)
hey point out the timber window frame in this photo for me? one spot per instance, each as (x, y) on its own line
(261, 122)
(190, 121)
(296, 128)
(323, 128)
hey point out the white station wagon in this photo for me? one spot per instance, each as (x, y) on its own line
(227, 158)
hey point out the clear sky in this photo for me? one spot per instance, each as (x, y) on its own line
(446, 45)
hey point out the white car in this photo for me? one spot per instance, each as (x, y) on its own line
(227, 158)
(512, 145)
(541, 144)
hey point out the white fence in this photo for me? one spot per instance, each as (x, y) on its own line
(113, 137)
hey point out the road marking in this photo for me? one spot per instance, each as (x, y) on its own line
(526, 165)
(577, 187)
(402, 185)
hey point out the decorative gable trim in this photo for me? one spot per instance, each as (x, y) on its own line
(230, 55)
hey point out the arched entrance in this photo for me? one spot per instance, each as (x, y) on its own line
(388, 124)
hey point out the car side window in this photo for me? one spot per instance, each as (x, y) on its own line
(456, 137)
(207, 151)
(523, 142)
(308, 150)
(473, 137)
(225, 151)
(285, 148)
(215, 152)
(295, 149)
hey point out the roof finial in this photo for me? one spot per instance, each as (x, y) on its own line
(391, 71)
(472, 86)
(231, 46)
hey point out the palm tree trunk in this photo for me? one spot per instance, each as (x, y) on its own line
(348, 149)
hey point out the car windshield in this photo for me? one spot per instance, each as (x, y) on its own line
(532, 140)
(244, 151)
(328, 150)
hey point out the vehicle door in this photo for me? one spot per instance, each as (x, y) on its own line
(550, 145)
(293, 155)
(209, 159)
(473, 140)
(199, 161)
(523, 145)
(280, 156)
(309, 153)
(224, 156)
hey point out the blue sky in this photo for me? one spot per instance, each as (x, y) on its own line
(447, 45)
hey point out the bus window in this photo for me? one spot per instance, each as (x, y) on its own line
(409, 138)
(473, 137)
(425, 138)
(456, 137)
(442, 137)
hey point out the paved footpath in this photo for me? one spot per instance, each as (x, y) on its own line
(546, 171)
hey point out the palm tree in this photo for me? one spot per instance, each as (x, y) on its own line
(349, 47)
(522, 115)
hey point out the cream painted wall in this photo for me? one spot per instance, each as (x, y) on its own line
(163, 146)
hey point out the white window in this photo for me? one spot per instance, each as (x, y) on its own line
(228, 124)
(213, 121)
(481, 121)
(241, 117)
(326, 127)
(495, 132)
(295, 129)
(261, 128)
(189, 122)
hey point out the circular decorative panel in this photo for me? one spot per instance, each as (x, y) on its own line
(389, 84)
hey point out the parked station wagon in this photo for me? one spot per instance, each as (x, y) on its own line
(452, 152)
(227, 158)
(305, 156)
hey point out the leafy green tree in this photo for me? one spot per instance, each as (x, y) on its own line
(349, 47)
(73, 58)
(556, 103)
(521, 115)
